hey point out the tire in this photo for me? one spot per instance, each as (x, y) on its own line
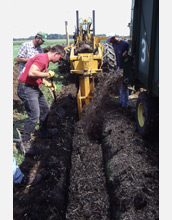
(144, 114)
(109, 58)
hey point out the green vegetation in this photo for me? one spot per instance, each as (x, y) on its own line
(18, 156)
(51, 43)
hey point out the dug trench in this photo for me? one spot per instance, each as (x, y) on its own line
(95, 168)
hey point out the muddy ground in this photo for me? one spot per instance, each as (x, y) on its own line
(95, 168)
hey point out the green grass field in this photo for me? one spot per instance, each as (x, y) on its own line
(51, 43)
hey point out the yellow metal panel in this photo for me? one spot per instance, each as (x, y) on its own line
(85, 94)
(84, 85)
(82, 72)
(98, 39)
(86, 63)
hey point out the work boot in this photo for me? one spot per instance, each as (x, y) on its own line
(32, 180)
(48, 133)
(26, 148)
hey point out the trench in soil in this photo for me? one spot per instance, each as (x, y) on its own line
(96, 168)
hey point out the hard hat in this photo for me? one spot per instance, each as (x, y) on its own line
(42, 36)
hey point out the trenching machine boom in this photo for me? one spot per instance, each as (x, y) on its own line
(86, 59)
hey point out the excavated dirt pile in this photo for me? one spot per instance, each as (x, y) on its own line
(96, 168)
(106, 143)
(131, 165)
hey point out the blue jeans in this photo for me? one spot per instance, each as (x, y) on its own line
(36, 107)
(17, 174)
(124, 93)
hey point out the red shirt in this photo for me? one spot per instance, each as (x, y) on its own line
(41, 61)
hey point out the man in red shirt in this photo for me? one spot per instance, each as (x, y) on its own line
(34, 73)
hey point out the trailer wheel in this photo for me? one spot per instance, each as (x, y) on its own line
(109, 58)
(144, 114)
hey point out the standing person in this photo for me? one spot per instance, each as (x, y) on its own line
(30, 49)
(33, 99)
(121, 48)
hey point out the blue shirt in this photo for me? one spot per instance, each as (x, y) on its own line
(119, 49)
(17, 174)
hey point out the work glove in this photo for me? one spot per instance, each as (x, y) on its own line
(51, 74)
(50, 85)
(53, 87)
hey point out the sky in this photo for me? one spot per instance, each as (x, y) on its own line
(49, 16)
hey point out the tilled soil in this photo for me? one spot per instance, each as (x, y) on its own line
(96, 168)
(131, 165)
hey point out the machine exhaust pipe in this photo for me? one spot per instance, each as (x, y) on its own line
(93, 22)
(77, 23)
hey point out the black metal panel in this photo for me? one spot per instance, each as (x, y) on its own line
(144, 45)
(145, 40)
(153, 81)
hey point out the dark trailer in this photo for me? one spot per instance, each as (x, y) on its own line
(144, 49)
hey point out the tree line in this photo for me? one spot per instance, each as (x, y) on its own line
(50, 37)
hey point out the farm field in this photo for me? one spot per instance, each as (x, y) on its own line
(96, 168)
(16, 44)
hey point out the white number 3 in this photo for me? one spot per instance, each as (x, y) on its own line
(143, 51)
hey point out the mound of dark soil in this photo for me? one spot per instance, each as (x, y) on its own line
(107, 145)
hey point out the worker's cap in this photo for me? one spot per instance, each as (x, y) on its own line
(42, 36)
(110, 36)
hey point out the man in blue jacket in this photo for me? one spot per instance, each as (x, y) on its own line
(121, 48)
